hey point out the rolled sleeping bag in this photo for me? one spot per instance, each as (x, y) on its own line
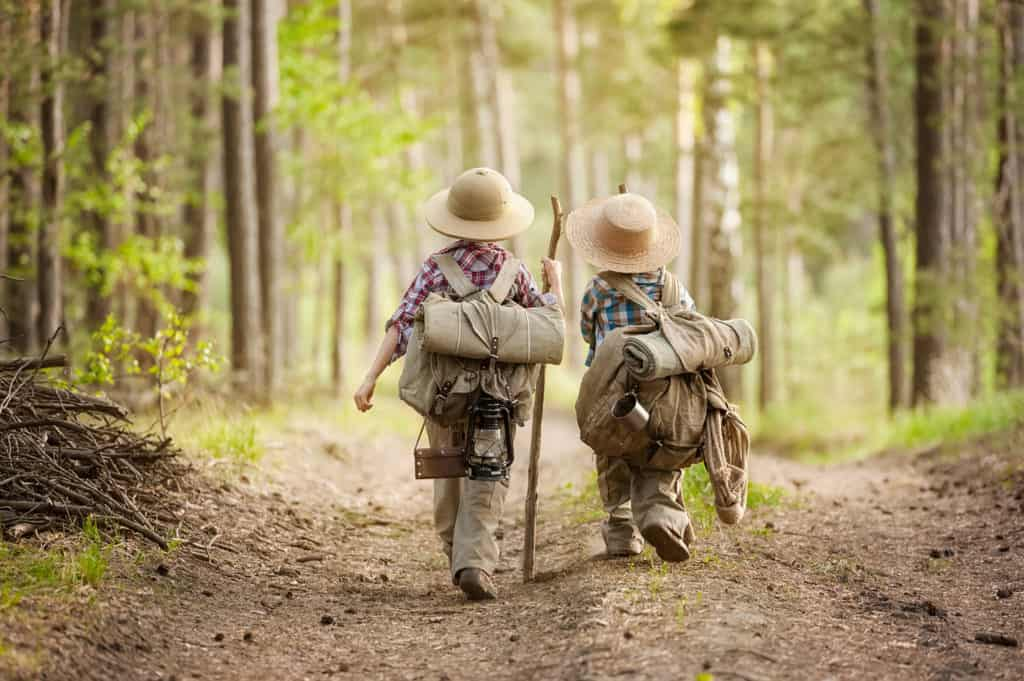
(466, 329)
(697, 343)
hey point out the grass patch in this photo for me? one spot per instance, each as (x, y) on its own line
(808, 434)
(582, 504)
(211, 431)
(26, 570)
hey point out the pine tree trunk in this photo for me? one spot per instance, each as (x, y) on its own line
(199, 214)
(343, 213)
(102, 139)
(881, 127)
(123, 106)
(52, 34)
(146, 96)
(763, 251)
(271, 239)
(373, 255)
(22, 297)
(600, 171)
(573, 185)
(338, 295)
(722, 202)
(699, 248)
(454, 143)
(240, 200)
(1009, 194)
(685, 140)
(6, 32)
(929, 116)
(502, 99)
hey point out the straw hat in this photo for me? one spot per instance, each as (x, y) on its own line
(623, 233)
(479, 206)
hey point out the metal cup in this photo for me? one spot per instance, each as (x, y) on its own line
(629, 410)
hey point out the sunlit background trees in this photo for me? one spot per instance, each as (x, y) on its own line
(846, 174)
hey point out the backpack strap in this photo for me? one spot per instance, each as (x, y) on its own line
(453, 273)
(625, 285)
(671, 290)
(506, 278)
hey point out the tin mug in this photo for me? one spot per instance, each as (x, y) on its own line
(629, 410)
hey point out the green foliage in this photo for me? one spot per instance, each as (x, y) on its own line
(233, 440)
(355, 139)
(26, 570)
(166, 360)
(583, 504)
(933, 425)
(949, 425)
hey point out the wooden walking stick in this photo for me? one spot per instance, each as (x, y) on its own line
(530, 539)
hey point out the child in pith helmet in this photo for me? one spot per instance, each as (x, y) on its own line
(478, 210)
(627, 235)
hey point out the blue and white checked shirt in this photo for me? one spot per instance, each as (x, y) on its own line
(603, 308)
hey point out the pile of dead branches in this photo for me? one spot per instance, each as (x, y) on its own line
(65, 455)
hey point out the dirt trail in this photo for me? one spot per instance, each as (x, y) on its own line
(326, 567)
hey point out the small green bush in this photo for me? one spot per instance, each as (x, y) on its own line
(232, 440)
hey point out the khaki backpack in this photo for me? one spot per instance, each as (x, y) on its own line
(690, 418)
(462, 346)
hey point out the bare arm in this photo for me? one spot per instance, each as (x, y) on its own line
(364, 395)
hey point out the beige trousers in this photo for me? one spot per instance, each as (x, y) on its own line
(467, 514)
(638, 498)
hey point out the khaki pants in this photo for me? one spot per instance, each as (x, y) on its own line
(467, 514)
(639, 499)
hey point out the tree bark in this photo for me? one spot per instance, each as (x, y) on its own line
(52, 34)
(763, 255)
(102, 139)
(22, 297)
(271, 238)
(722, 203)
(147, 145)
(881, 128)
(1010, 199)
(454, 142)
(502, 102)
(699, 248)
(372, 264)
(685, 141)
(343, 213)
(6, 32)
(199, 213)
(240, 185)
(929, 116)
(573, 161)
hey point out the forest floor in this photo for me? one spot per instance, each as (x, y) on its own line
(323, 565)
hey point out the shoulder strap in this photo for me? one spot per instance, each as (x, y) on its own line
(671, 294)
(453, 273)
(627, 287)
(506, 278)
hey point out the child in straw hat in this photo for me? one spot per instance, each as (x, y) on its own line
(478, 210)
(626, 234)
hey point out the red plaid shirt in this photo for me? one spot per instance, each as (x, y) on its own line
(481, 262)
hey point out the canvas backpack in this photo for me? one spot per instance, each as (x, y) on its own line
(690, 418)
(443, 387)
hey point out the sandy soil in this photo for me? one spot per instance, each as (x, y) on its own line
(324, 566)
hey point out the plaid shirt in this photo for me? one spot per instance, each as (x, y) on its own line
(481, 262)
(604, 308)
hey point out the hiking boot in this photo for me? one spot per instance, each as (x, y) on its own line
(670, 546)
(621, 540)
(477, 585)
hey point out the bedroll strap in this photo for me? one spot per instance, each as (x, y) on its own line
(506, 278)
(453, 273)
